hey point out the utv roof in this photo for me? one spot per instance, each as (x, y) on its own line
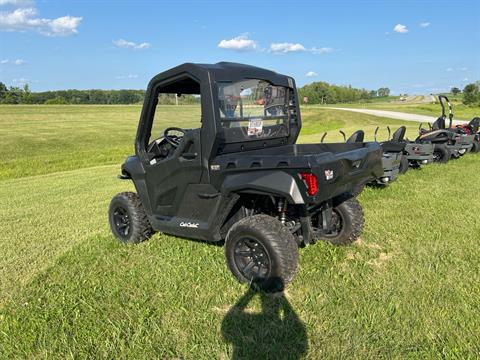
(222, 71)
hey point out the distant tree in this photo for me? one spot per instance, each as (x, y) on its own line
(56, 101)
(26, 96)
(13, 96)
(3, 91)
(373, 93)
(383, 92)
(455, 91)
(471, 94)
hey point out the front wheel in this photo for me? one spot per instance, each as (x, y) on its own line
(441, 154)
(346, 224)
(127, 218)
(403, 165)
(260, 249)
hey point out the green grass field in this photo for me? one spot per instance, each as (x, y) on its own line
(409, 288)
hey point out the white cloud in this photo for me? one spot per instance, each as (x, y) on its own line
(424, 24)
(311, 74)
(15, 62)
(24, 18)
(399, 28)
(20, 81)
(322, 50)
(466, 79)
(121, 43)
(129, 76)
(17, 3)
(463, 68)
(239, 43)
(284, 48)
(449, 69)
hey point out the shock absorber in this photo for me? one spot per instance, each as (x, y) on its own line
(282, 210)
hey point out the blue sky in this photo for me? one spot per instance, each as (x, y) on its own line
(416, 47)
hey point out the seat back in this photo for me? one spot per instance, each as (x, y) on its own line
(439, 124)
(357, 136)
(399, 134)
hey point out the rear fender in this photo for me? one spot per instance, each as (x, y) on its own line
(277, 183)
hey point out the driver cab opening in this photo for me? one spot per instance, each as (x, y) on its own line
(176, 115)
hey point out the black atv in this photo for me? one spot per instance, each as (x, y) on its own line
(446, 141)
(240, 177)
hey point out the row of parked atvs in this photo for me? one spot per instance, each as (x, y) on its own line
(440, 143)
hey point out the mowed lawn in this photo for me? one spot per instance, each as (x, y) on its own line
(409, 288)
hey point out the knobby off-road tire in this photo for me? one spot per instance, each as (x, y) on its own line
(128, 220)
(347, 219)
(441, 154)
(260, 250)
(403, 165)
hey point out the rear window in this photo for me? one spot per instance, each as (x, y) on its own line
(253, 110)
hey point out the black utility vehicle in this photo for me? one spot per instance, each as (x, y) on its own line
(227, 168)
(447, 142)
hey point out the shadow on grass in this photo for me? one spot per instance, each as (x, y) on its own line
(274, 333)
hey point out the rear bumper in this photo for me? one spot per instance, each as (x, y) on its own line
(344, 172)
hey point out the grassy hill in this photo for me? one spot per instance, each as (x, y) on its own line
(408, 288)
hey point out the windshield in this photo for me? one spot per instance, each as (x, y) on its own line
(253, 110)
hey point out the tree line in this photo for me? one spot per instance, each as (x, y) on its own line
(17, 95)
(313, 93)
(324, 93)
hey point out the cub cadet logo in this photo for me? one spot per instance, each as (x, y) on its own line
(189, 224)
(329, 174)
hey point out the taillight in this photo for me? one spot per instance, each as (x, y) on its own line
(311, 182)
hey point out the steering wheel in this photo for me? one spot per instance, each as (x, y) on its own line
(173, 139)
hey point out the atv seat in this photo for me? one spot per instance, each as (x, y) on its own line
(399, 134)
(357, 136)
(391, 146)
(474, 124)
(439, 124)
(436, 136)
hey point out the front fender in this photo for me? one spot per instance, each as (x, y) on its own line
(264, 182)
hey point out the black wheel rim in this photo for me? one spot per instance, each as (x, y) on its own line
(251, 259)
(121, 219)
(437, 156)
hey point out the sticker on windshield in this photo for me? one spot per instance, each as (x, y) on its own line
(255, 127)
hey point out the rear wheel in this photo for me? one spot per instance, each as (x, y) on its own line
(346, 224)
(260, 249)
(403, 165)
(441, 154)
(127, 218)
(475, 147)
